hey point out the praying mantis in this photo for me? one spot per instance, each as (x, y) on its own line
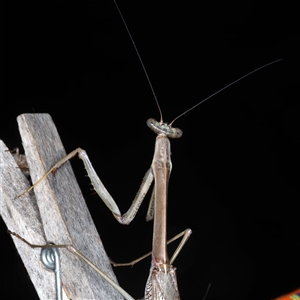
(162, 282)
(185, 131)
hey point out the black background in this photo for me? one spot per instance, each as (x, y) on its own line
(235, 178)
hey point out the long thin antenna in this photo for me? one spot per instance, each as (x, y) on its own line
(225, 87)
(138, 54)
(148, 79)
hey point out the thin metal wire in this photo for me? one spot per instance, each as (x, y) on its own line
(51, 259)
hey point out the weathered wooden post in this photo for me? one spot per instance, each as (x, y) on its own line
(56, 212)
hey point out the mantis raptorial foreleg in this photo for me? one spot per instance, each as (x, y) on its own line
(100, 188)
